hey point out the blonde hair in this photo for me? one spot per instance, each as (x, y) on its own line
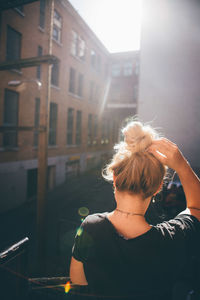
(135, 169)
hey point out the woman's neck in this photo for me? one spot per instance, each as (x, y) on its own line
(131, 204)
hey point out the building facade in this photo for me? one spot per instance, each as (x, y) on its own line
(82, 129)
(123, 85)
(169, 93)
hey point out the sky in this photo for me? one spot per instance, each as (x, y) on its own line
(115, 22)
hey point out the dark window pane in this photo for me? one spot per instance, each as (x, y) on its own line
(38, 70)
(72, 74)
(42, 13)
(10, 139)
(89, 129)
(70, 121)
(55, 74)
(10, 118)
(92, 87)
(32, 182)
(13, 46)
(57, 26)
(53, 123)
(11, 108)
(78, 127)
(37, 121)
(80, 85)
(95, 127)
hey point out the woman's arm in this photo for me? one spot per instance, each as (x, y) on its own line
(169, 154)
(77, 274)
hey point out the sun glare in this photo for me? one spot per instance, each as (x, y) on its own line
(116, 23)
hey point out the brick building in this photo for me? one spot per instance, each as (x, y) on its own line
(123, 92)
(82, 128)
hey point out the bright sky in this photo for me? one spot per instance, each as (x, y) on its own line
(115, 22)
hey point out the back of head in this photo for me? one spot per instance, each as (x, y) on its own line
(135, 169)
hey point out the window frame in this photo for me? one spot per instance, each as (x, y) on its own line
(78, 137)
(57, 25)
(72, 81)
(42, 15)
(11, 51)
(70, 126)
(52, 139)
(11, 127)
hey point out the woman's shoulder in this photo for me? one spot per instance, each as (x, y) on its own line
(94, 219)
(182, 225)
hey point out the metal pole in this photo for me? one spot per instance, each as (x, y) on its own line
(43, 147)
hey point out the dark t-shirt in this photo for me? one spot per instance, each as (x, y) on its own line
(148, 264)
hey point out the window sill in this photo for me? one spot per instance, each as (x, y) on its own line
(11, 149)
(52, 146)
(41, 29)
(55, 87)
(19, 12)
(77, 58)
(72, 146)
(57, 42)
(16, 71)
(75, 96)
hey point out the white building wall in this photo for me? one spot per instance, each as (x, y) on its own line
(169, 91)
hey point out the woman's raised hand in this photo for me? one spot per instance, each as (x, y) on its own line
(168, 153)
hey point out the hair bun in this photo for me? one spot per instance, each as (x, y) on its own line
(138, 137)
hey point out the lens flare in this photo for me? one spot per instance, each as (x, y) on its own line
(67, 287)
(79, 231)
(83, 211)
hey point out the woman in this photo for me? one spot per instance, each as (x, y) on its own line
(118, 253)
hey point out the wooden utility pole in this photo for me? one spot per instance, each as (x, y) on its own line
(43, 147)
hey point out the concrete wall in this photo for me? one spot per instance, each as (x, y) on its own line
(169, 92)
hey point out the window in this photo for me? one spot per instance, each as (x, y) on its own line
(52, 123)
(97, 94)
(55, 74)
(77, 46)
(13, 46)
(72, 75)
(10, 118)
(98, 63)
(89, 129)
(72, 169)
(80, 85)
(103, 131)
(128, 68)
(81, 51)
(38, 70)
(51, 177)
(116, 70)
(93, 58)
(114, 130)
(135, 92)
(57, 26)
(42, 14)
(32, 177)
(107, 131)
(70, 123)
(74, 43)
(36, 122)
(92, 90)
(78, 127)
(95, 130)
